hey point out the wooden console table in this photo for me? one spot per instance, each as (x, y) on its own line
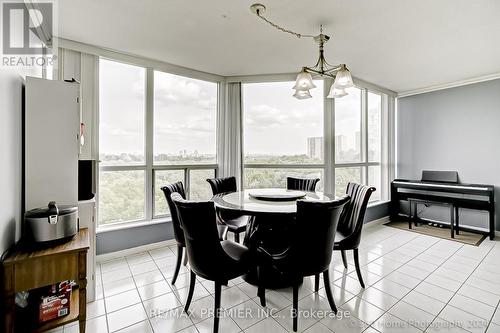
(26, 269)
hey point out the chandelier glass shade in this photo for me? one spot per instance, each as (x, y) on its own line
(340, 75)
(336, 92)
(305, 94)
(343, 79)
(304, 81)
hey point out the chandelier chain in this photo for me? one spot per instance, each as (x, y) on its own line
(281, 28)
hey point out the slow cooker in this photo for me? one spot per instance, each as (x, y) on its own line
(51, 223)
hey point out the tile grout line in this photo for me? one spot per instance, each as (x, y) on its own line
(392, 271)
(344, 275)
(103, 300)
(455, 293)
(137, 290)
(493, 315)
(413, 289)
(173, 291)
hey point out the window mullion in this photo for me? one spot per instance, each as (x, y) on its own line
(364, 133)
(329, 139)
(187, 183)
(149, 142)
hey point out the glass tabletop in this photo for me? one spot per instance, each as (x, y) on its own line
(244, 202)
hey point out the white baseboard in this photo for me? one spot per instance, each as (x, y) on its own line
(134, 250)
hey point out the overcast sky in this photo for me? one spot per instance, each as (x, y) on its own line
(185, 114)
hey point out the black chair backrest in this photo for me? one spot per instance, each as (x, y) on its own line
(353, 215)
(167, 191)
(206, 255)
(223, 185)
(315, 229)
(301, 184)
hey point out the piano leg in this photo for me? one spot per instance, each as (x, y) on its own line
(457, 229)
(415, 213)
(452, 220)
(410, 220)
(492, 223)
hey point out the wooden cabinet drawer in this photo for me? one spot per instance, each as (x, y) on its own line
(44, 271)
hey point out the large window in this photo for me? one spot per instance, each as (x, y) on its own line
(147, 143)
(358, 140)
(122, 103)
(185, 112)
(157, 128)
(283, 136)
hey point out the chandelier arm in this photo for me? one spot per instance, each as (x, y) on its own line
(334, 68)
(311, 70)
(274, 25)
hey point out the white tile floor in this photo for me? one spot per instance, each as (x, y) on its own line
(414, 283)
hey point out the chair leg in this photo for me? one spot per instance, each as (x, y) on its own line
(328, 290)
(217, 306)
(344, 258)
(261, 290)
(237, 237)
(185, 257)
(358, 269)
(192, 282)
(178, 264)
(316, 283)
(295, 305)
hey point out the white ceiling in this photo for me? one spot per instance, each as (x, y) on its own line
(398, 44)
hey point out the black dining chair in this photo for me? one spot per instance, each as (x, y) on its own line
(235, 222)
(301, 184)
(178, 233)
(209, 258)
(310, 250)
(351, 224)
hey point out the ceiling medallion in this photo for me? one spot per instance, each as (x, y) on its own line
(304, 82)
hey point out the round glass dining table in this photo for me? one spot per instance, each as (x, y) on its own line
(248, 202)
(271, 225)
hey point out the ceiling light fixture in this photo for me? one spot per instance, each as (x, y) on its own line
(339, 73)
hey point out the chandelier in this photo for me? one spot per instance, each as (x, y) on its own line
(304, 83)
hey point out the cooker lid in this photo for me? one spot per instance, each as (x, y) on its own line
(51, 210)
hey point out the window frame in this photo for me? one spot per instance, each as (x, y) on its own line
(365, 164)
(329, 164)
(295, 166)
(149, 167)
(388, 121)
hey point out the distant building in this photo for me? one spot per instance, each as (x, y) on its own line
(340, 143)
(315, 147)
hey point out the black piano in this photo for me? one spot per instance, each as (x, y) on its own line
(444, 186)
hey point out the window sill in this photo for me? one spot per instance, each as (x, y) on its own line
(130, 225)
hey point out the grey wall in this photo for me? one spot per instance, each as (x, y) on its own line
(377, 212)
(11, 156)
(452, 129)
(117, 240)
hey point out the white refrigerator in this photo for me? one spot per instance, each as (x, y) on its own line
(52, 124)
(51, 150)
